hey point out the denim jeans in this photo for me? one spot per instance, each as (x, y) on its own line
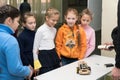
(67, 60)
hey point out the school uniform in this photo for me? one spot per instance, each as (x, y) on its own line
(44, 42)
(26, 39)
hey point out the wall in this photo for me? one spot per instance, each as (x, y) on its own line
(2, 2)
(58, 4)
(109, 21)
(96, 7)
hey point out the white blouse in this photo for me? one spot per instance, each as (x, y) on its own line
(44, 38)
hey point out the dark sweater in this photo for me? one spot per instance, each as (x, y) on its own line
(116, 38)
(26, 39)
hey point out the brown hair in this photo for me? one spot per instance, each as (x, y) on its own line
(25, 16)
(85, 11)
(8, 11)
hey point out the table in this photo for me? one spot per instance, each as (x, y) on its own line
(68, 72)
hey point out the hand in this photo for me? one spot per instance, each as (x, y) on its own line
(107, 44)
(60, 63)
(36, 72)
(116, 74)
(31, 72)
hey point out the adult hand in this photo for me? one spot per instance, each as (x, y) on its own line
(31, 72)
(108, 44)
(116, 74)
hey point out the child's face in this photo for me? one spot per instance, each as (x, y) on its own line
(51, 21)
(71, 19)
(30, 23)
(85, 20)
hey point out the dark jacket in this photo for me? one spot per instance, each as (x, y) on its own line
(26, 39)
(116, 38)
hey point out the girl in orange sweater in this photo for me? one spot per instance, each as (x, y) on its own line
(70, 39)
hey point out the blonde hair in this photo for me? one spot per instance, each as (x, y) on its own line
(51, 12)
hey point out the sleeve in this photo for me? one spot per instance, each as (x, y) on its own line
(91, 46)
(116, 40)
(58, 41)
(83, 44)
(37, 38)
(14, 63)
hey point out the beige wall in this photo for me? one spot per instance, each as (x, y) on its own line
(109, 21)
(3, 2)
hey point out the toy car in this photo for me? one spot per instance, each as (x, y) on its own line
(83, 68)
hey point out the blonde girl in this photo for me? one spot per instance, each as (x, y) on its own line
(44, 44)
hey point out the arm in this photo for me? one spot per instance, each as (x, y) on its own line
(83, 44)
(116, 42)
(116, 39)
(58, 41)
(21, 40)
(37, 38)
(91, 45)
(14, 63)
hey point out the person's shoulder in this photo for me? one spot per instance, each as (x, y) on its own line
(27, 3)
(91, 29)
(41, 28)
(21, 4)
(21, 35)
(12, 38)
(81, 29)
(63, 26)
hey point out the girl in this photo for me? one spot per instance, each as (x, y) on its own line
(44, 42)
(70, 39)
(85, 19)
(26, 38)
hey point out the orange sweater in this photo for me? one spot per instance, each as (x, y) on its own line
(67, 42)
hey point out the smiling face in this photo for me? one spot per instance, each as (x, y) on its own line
(71, 19)
(51, 21)
(51, 16)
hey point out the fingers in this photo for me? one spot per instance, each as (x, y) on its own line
(116, 74)
(31, 72)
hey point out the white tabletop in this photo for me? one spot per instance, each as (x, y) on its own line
(68, 72)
